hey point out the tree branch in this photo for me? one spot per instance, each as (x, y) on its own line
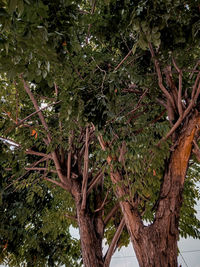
(112, 246)
(180, 108)
(31, 152)
(160, 81)
(111, 213)
(116, 68)
(54, 156)
(39, 169)
(94, 181)
(32, 114)
(85, 170)
(103, 204)
(10, 141)
(60, 184)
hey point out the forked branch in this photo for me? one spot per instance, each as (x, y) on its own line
(160, 80)
(43, 121)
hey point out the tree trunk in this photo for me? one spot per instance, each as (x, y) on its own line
(91, 235)
(156, 245)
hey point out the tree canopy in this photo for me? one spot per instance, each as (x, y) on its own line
(93, 90)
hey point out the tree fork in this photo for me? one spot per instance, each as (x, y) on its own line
(156, 245)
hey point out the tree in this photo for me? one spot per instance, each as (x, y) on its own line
(27, 227)
(119, 85)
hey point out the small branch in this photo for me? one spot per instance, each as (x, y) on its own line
(69, 158)
(32, 114)
(31, 152)
(198, 62)
(94, 181)
(60, 184)
(123, 60)
(113, 244)
(54, 156)
(90, 25)
(10, 141)
(160, 81)
(195, 85)
(180, 108)
(85, 170)
(103, 204)
(111, 213)
(39, 169)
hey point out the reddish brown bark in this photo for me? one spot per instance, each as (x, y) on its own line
(156, 245)
(91, 229)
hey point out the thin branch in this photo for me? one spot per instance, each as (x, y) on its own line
(54, 156)
(32, 114)
(123, 60)
(10, 141)
(94, 181)
(160, 81)
(60, 184)
(111, 213)
(180, 108)
(85, 170)
(195, 85)
(103, 204)
(186, 112)
(69, 158)
(39, 169)
(27, 89)
(198, 62)
(113, 244)
(197, 93)
(31, 152)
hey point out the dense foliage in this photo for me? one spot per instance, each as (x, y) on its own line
(89, 64)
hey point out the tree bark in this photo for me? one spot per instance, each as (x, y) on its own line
(91, 229)
(156, 245)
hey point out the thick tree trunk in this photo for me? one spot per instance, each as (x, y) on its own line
(156, 245)
(91, 235)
